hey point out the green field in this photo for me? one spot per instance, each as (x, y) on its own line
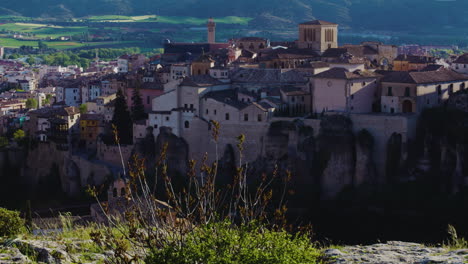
(61, 45)
(42, 30)
(34, 29)
(169, 19)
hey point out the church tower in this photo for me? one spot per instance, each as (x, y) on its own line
(318, 35)
(211, 25)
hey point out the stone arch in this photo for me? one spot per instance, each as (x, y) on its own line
(384, 62)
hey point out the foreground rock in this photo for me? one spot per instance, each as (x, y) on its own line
(396, 252)
(44, 251)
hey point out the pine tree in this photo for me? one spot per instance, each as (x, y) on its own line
(138, 109)
(122, 119)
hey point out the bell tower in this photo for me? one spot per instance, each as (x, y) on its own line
(211, 25)
(318, 35)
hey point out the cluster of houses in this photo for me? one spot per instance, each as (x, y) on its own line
(249, 80)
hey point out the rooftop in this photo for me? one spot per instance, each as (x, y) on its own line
(319, 23)
(426, 77)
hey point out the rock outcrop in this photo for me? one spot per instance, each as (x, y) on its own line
(395, 252)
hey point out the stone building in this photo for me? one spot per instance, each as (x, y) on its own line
(202, 65)
(91, 126)
(412, 92)
(318, 35)
(252, 43)
(412, 63)
(341, 90)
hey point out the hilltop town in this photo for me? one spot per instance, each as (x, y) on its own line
(291, 100)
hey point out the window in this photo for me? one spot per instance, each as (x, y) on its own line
(147, 99)
(167, 118)
(206, 111)
(185, 106)
(259, 118)
(439, 89)
(352, 96)
(363, 83)
(215, 111)
(227, 116)
(246, 117)
(191, 106)
(450, 89)
(390, 91)
(187, 124)
(302, 98)
(155, 126)
(407, 91)
(293, 99)
(427, 101)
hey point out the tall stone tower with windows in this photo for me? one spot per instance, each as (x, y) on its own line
(211, 25)
(318, 35)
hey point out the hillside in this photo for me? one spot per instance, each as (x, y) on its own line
(389, 15)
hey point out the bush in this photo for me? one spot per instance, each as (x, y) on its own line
(225, 243)
(10, 223)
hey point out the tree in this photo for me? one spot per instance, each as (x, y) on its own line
(3, 142)
(138, 109)
(122, 119)
(31, 103)
(19, 135)
(83, 109)
(31, 60)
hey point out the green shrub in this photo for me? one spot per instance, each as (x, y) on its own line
(223, 243)
(10, 223)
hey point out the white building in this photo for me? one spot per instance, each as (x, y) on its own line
(412, 92)
(340, 90)
(460, 65)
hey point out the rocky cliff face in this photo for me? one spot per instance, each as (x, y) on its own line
(440, 152)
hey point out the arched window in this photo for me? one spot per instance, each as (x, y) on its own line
(187, 124)
(227, 116)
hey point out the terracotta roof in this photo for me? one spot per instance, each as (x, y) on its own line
(463, 59)
(342, 73)
(228, 97)
(426, 77)
(292, 91)
(415, 59)
(200, 81)
(242, 75)
(204, 58)
(319, 22)
(96, 117)
(251, 39)
(269, 54)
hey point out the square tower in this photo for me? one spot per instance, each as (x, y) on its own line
(211, 26)
(318, 35)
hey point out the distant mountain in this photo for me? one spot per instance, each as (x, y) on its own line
(399, 15)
